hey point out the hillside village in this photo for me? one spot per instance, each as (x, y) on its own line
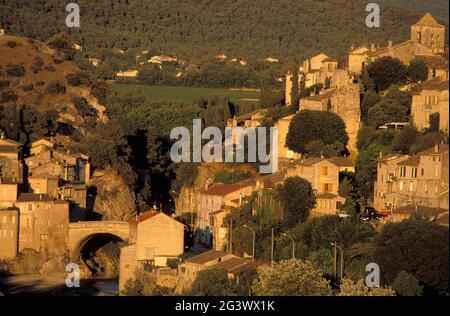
(45, 200)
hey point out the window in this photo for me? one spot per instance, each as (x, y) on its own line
(401, 186)
(324, 170)
(427, 117)
(414, 172)
(436, 172)
(411, 186)
(422, 172)
(327, 187)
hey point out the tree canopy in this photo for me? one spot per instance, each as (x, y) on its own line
(309, 126)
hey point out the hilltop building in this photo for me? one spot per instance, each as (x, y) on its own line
(427, 41)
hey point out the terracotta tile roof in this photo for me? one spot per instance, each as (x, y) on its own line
(230, 264)
(390, 157)
(435, 61)
(33, 197)
(435, 84)
(428, 20)
(329, 59)
(439, 150)
(342, 161)
(10, 142)
(44, 175)
(150, 214)
(411, 161)
(247, 266)
(5, 180)
(306, 162)
(206, 257)
(221, 189)
(326, 196)
(8, 149)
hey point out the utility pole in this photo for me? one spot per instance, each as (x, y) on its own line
(271, 250)
(254, 240)
(334, 260)
(231, 237)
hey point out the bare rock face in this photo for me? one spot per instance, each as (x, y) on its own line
(27, 261)
(55, 265)
(114, 200)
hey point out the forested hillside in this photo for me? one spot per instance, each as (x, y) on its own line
(438, 8)
(198, 29)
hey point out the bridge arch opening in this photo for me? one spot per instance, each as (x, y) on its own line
(98, 254)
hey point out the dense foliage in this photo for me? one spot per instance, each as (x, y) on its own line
(418, 247)
(310, 129)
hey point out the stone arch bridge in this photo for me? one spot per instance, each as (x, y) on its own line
(81, 232)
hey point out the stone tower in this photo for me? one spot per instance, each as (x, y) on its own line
(346, 103)
(429, 33)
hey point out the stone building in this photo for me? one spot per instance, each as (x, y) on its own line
(323, 174)
(154, 238)
(430, 97)
(212, 259)
(63, 164)
(284, 153)
(213, 199)
(427, 40)
(418, 180)
(11, 156)
(9, 232)
(44, 223)
(313, 71)
(342, 98)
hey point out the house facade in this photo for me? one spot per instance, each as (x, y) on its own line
(418, 180)
(323, 174)
(431, 97)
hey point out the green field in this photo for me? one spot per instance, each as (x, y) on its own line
(186, 94)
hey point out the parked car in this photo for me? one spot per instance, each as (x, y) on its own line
(343, 214)
(365, 217)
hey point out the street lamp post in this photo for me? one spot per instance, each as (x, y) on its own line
(342, 258)
(293, 244)
(254, 239)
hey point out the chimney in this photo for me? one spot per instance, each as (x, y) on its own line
(2, 135)
(389, 44)
(381, 154)
(436, 148)
(240, 199)
(372, 47)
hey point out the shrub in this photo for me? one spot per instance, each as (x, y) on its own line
(15, 70)
(4, 84)
(77, 79)
(27, 87)
(56, 87)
